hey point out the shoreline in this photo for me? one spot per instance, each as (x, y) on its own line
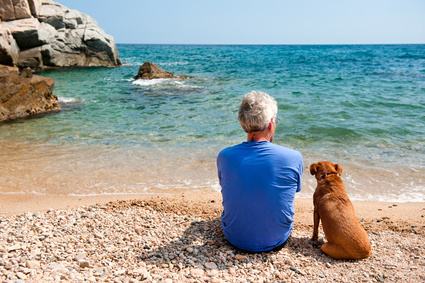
(178, 238)
(12, 204)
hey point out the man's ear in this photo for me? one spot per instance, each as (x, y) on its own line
(313, 168)
(270, 124)
(338, 169)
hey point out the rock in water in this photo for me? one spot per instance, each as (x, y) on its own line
(42, 33)
(23, 94)
(149, 71)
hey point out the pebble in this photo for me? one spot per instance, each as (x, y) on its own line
(80, 256)
(211, 265)
(99, 272)
(62, 270)
(212, 273)
(21, 276)
(145, 275)
(84, 264)
(119, 272)
(197, 272)
(14, 248)
(32, 264)
(120, 242)
(240, 257)
(293, 268)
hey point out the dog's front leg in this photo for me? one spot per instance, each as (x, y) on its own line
(316, 220)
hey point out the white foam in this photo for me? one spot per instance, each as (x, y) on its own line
(164, 83)
(152, 82)
(24, 193)
(68, 100)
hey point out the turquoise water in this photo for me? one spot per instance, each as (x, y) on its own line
(361, 106)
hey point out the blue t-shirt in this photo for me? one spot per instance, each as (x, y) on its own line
(258, 182)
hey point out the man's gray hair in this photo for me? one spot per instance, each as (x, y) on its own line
(256, 111)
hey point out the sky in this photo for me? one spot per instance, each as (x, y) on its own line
(258, 22)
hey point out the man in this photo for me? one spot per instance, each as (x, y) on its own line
(258, 180)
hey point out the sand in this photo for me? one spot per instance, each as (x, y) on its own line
(178, 238)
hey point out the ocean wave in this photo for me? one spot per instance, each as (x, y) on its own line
(113, 194)
(24, 193)
(68, 100)
(156, 82)
(411, 56)
(407, 75)
(402, 197)
(173, 64)
(164, 83)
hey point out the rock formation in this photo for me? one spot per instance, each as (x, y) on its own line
(42, 33)
(149, 71)
(23, 94)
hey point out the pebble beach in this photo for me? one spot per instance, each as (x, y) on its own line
(178, 238)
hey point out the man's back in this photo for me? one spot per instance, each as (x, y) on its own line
(259, 181)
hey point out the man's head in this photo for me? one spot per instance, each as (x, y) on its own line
(256, 111)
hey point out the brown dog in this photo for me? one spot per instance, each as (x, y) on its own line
(346, 238)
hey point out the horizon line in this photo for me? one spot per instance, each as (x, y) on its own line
(277, 44)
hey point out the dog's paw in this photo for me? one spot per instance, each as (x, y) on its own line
(314, 238)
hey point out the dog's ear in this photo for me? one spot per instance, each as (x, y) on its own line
(313, 168)
(338, 169)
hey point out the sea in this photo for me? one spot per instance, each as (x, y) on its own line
(361, 106)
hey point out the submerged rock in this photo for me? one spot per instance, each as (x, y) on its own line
(23, 94)
(149, 71)
(42, 33)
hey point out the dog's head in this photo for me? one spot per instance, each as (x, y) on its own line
(323, 168)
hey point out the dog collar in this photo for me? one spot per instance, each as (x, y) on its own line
(325, 175)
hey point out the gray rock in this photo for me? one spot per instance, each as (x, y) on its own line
(24, 31)
(53, 14)
(47, 34)
(55, 37)
(30, 58)
(9, 50)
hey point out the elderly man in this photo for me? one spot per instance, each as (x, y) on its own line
(258, 180)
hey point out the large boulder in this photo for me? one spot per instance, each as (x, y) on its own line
(149, 71)
(48, 34)
(23, 94)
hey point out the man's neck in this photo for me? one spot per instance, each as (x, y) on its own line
(259, 136)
